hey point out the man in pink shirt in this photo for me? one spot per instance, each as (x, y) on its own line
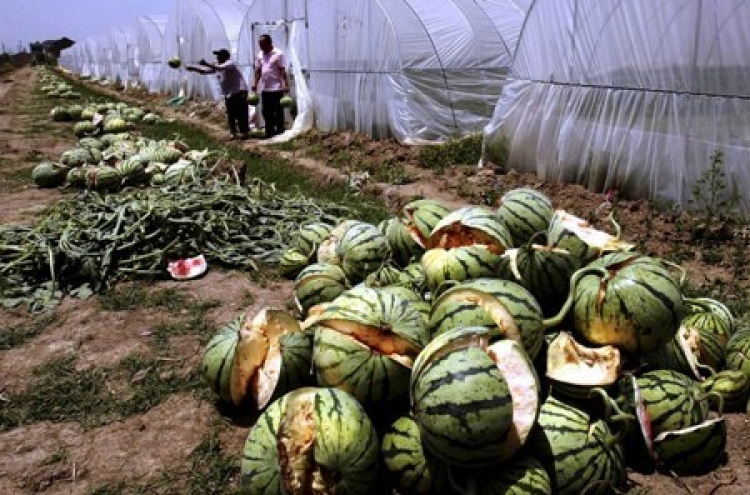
(233, 88)
(271, 77)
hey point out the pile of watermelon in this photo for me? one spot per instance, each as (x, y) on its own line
(515, 349)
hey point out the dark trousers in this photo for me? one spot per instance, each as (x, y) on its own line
(237, 114)
(273, 112)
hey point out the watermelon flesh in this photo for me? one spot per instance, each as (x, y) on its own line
(187, 268)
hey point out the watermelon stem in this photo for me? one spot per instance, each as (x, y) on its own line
(682, 270)
(618, 229)
(613, 415)
(554, 321)
(713, 395)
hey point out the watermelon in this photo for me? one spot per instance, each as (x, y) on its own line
(414, 469)
(627, 300)
(575, 369)
(694, 450)
(732, 385)
(580, 239)
(443, 266)
(366, 341)
(318, 283)
(421, 216)
(272, 357)
(469, 226)
(49, 174)
(361, 250)
(502, 306)
(525, 212)
(286, 101)
(475, 402)
(311, 440)
(579, 452)
(218, 356)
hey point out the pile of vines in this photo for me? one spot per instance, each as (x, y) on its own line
(85, 242)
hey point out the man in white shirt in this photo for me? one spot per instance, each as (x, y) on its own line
(272, 78)
(233, 88)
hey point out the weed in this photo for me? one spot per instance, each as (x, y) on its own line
(194, 322)
(714, 207)
(390, 171)
(60, 393)
(455, 151)
(132, 296)
(153, 379)
(211, 470)
(59, 455)
(15, 336)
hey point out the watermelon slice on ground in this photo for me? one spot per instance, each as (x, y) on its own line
(187, 268)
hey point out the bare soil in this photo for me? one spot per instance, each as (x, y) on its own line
(67, 458)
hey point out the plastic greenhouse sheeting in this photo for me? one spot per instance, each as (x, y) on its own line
(121, 65)
(392, 68)
(632, 95)
(149, 33)
(194, 29)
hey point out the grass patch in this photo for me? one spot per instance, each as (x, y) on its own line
(211, 470)
(153, 379)
(136, 295)
(194, 322)
(455, 151)
(60, 393)
(16, 336)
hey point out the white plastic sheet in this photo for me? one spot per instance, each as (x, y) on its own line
(121, 66)
(632, 95)
(394, 68)
(150, 51)
(408, 69)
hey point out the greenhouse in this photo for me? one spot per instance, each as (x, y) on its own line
(398, 68)
(631, 95)
(121, 65)
(194, 29)
(149, 34)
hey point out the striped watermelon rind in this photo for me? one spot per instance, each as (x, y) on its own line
(362, 249)
(319, 283)
(738, 352)
(521, 475)
(694, 450)
(468, 226)
(311, 435)
(672, 399)
(525, 212)
(365, 343)
(474, 401)
(578, 452)
(732, 385)
(414, 469)
(489, 302)
(457, 264)
(218, 356)
(627, 300)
